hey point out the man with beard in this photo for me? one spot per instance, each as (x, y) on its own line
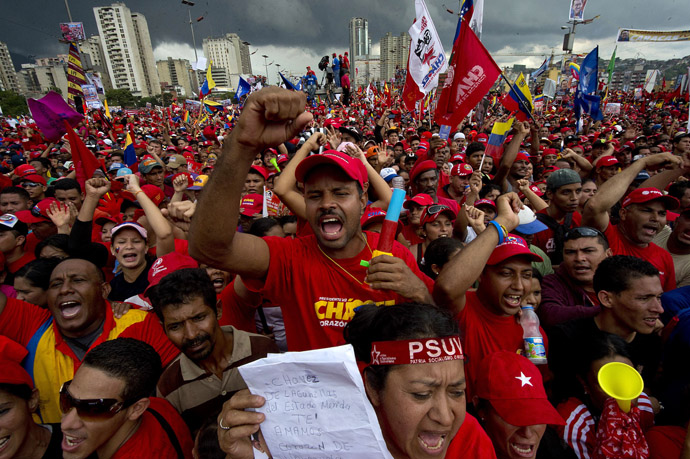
(205, 375)
(424, 178)
(642, 215)
(318, 279)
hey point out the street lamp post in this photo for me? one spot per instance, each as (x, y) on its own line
(266, 67)
(191, 25)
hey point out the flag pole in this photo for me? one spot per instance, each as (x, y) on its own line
(522, 105)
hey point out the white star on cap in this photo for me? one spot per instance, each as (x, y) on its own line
(524, 379)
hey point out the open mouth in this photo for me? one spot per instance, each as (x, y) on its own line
(650, 321)
(70, 443)
(522, 449)
(69, 309)
(218, 282)
(129, 257)
(512, 300)
(4, 441)
(432, 442)
(650, 230)
(331, 227)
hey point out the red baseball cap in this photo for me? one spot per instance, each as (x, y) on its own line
(168, 264)
(607, 161)
(374, 215)
(512, 246)
(251, 204)
(154, 193)
(260, 170)
(38, 213)
(461, 170)
(24, 170)
(483, 138)
(550, 151)
(641, 195)
(485, 202)
(11, 370)
(457, 157)
(421, 199)
(353, 167)
(514, 387)
(34, 178)
(432, 212)
(521, 156)
(422, 167)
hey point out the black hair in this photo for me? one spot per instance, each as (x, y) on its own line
(207, 438)
(599, 346)
(37, 272)
(677, 189)
(261, 226)
(536, 274)
(66, 184)
(285, 219)
(438, 253)
(181, 287)
(59, 241)
(474, 147)
(574, 234)
(403, 321)
(616, 274)
(19, 191)
(131, 360)
(45, 162)
(22, 391)
(488, 188)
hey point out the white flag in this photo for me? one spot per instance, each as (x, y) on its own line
(427, 59)
(370, 93)
(650, 80)
(477, 19)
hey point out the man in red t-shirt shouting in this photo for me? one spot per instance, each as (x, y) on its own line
(503, 264)
(318, 279)
(642, 215)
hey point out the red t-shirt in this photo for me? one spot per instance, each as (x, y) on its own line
(19, 263)
(544, 239)
(665, 442)
(471, 442)
(151, 439)
(31, 243)
(411, 235)
(236, 311)
(484, 332)
(654, 254)
(317, 297)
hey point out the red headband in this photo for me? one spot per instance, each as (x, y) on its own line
(424, 350)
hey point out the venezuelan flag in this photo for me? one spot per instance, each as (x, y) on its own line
(212, 107)
(208, 84)
(575, 70)
(494, 147)
(130, 155)
(519, 98)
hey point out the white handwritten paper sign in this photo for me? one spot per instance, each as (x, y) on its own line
(316, 406)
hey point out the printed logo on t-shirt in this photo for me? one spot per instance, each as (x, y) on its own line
(337, 312)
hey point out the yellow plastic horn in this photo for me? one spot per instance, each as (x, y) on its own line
(275, 164)
(622, 382)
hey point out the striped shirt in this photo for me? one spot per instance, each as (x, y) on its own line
(580, 427)
(197, 394)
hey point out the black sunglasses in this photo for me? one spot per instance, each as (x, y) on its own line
(99, 408)
(436, 208)
(584, 231)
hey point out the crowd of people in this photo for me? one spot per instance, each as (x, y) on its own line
(132, 293)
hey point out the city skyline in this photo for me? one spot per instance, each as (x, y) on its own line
(298, 33)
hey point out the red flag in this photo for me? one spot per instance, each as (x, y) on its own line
(471, 74)
(85, 163)
(411, 93)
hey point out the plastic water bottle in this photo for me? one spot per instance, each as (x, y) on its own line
(531, 336)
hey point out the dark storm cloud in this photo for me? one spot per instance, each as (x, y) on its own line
(319, 26)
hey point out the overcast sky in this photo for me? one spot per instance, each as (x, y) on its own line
(296, 33)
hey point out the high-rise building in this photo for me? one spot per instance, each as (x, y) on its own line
(394, 52)
(127, 49)
(8, 75)
(366, 69)
(360, 44)
(228, 52)
(178, 75)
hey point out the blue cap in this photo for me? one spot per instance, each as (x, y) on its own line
(529, 224)
(124, 171)
(115, 166)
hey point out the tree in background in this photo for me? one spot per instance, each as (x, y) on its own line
(13, 104)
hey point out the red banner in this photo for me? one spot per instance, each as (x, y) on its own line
(471, 74)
